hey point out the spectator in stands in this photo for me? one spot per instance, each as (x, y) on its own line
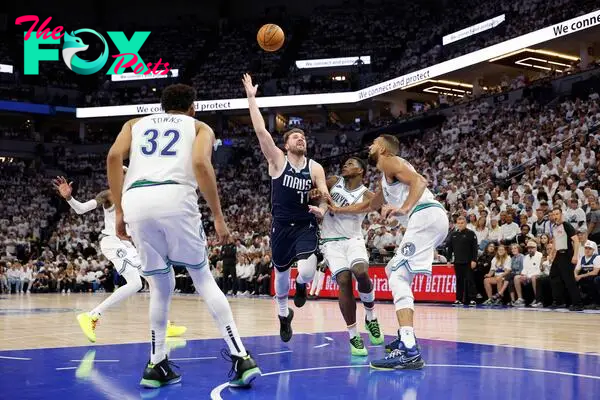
(484, 263)
(516, 268)
(543, 286)
(544, 240)
(264, 276)
(524, 237)
(27, 277)
(14, 277)
(575, 214)
(495, 233)
(40, 284)
(587, 275)
(4, 286)
(107, 279)
(70, 279)
(482, 233)
(499, 270)
(593, 219)
(510, 230)
(532, 267)
(542, 225)
(566, 247)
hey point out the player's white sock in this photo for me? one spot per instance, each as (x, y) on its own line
(282, 289)
(219, 308)
(407, 336)
(307, 269)
(161, 288)
(352, 330)
(370, 313)
(134, 284)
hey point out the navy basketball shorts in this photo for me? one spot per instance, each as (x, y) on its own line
(293, 241)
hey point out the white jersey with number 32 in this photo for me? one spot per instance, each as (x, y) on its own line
(160, 179)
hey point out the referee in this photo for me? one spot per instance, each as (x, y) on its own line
(463, 245)
(566, 249)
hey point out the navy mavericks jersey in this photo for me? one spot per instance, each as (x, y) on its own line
(289, 193)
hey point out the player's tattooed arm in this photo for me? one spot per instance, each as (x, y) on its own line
(103, 199)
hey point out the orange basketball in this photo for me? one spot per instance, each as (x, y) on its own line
(270, 37)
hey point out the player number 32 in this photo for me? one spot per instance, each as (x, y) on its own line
(153, 142)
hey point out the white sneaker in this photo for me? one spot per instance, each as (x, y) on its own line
(519, 303)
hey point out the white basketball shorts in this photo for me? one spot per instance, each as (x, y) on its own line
(120, 252)
(342, 255)
(427, 228)
(163, 242)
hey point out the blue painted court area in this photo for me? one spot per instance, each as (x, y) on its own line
(315, 366)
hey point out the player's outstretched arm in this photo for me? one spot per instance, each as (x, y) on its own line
(273, 154)
(206, 178)
(318, 177)
(359, 208)
(65, 188)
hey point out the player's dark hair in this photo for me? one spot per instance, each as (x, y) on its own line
(362, 164)
(178, 97)
(289, 133)
(392, 143)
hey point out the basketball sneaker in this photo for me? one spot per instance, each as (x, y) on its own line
(87, 323)
(161, 374)
(397, 344)
(357, 347)
(300, 296)
(375, 335)
(400, 359)
(285, 326)
(175, 330)
(243, 369)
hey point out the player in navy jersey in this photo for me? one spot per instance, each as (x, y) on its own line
(294, 234)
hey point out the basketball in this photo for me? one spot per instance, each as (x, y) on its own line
(270, 37)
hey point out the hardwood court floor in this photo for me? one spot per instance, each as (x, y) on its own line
(48, 320)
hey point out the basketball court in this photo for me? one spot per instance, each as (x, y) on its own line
(470, 353)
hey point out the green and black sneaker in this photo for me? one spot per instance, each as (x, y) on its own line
(243, 371)
(161, 374)
(357, 347)
(375, 335)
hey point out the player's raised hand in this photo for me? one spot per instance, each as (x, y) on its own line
(222, 231)
(63, 187)
(250, 89)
